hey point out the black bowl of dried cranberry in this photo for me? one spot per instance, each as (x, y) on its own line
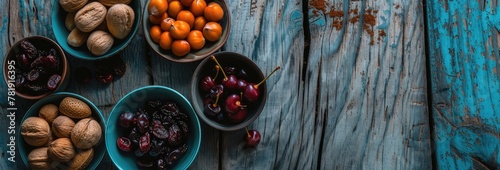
(36, 67)
(153, 127)
(219, 91)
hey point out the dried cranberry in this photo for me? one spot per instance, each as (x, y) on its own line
(83, 75)
(175, 154)
(159, 130)
(134, 136)
(142, 123)
(105, 78)
(126, 119)
(160, 163)
(29, 49)
(175, 135)
(124, 144)
(33, 75)
(23, 61)
(153, 105)
(53, 81)
(158, 149)
(144, 142)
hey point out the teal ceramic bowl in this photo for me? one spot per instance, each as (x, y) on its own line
(193, 55)
(56, 98)
(137, 99)
(61, 33)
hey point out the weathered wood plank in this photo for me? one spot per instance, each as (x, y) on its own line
(464, 60)
(366, 85)
(271, 33)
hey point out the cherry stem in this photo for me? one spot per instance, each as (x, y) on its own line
(248, 133)
(216, 101)
(257, 85)
(217, 68)
(217, 62)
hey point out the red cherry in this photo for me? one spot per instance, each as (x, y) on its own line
(251, 138)
(239, 116)
(233, 104)
(251, 92)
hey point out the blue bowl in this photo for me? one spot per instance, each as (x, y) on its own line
(56, 98)
(82, 52)
(137, 99)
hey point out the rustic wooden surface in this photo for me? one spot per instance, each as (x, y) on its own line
(352, 91)
(465, 65)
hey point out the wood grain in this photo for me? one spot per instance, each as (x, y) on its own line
(464, 60)
(368, 94)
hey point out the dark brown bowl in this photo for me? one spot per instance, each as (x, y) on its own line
(39, 42)
(193, 55)
(228, 59)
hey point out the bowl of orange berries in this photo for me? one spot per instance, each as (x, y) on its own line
(186, 30)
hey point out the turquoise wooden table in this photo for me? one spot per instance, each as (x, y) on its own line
(370, 84)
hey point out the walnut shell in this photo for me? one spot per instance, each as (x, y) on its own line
(35, 131)
(61, 150)
(120, 18)
(109, 3)
(72, 5)
(99, 42)
(51, 138)
(74, 108)
(77, 38)
(90, 16)
(69, 22)
(81, 160)
(48, 112)
(39, 159)
(62, 126)
(86, 133)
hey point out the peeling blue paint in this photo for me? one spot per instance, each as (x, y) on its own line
(461, 59)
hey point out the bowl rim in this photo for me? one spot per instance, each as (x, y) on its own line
(62, 95)
(126, 41)
(64, 59)
(182, 59)
(194, 93)
(196, 122)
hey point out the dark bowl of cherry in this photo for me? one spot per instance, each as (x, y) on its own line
(228, 91)
(35, 67)
(153, 127)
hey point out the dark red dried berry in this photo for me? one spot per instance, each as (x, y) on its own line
(159, 130)
(144, 142)
(53, 82)
(33, 75)
(105, 78)
(124, 144)
(29, 49)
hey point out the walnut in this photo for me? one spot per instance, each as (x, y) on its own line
(90, 16)
(82, 159)
(69, 22)
(99, 42)
(38, 159)
(61, 150)
(120, 18)
(35, 131)
(77, 38)
(112, 2)
(62, 126)
(74, 108)
(86, 133)
(49, 112)
(72, 5)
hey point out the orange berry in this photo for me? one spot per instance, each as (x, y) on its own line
(197, 7)
(157, 7)
(186, 2)
(179, 30)
(199, 23)
(196, 39)
(166, 23)
(180, 47)
(155, 33)
(157, 19)
(212, 31)
(166, 41)
(187, 16)
(174, 8)
(213, 12)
